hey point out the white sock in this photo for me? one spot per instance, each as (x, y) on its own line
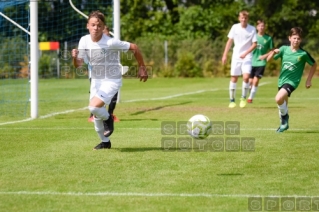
(253, 92)
(99, 112)
(283, 109)
(99, 128)
(245, 89)
(232, 90)
(279, 113)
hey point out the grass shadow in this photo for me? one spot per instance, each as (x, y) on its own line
(139, 119)
(230, 174)
(274, 107)
(139, 149)
(159, 108)
(303, 131)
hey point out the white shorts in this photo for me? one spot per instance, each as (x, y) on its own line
(240, 67)
(104, 89)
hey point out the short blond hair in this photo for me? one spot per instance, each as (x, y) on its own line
(244, 13)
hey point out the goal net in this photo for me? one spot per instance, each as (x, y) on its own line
(60, 27)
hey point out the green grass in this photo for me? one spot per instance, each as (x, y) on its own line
(48, 164)
(14, 98)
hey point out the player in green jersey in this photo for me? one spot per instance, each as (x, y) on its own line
(293, 61)
(264, 45)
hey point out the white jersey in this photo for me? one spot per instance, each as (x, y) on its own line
(103, 57)
(243, 39)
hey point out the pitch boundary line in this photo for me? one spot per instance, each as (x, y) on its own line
(136, 194)
(14, 122)
(131, 128)
(133, 100)
(171, 96)
(45, 116)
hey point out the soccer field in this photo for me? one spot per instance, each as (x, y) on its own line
(48, 164)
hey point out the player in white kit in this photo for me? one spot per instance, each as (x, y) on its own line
(245, 41)
(102, 53)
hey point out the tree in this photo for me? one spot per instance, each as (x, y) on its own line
(290, 13)
(172, 6)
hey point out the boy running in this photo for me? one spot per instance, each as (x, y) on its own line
(102, 53)
(293, 61)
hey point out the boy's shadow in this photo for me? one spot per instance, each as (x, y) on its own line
(158, 108)
(139, 149)
(304, 131)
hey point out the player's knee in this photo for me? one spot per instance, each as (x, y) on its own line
(93, 109)
(279, 100)
(99, 112)
(234, 79)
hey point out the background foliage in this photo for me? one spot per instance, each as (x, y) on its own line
(195, 30)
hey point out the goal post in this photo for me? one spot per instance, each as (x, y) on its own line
(33, 54)
(116, 19)
(34, 57)
(24, 25)
(117, 31)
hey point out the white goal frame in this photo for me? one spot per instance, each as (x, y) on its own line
(34, 48)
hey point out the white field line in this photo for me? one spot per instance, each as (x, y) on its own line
(136, 194)
(184, 94)
(14, 122)
(171, 96)
(133, 100)
(63, 112)
(139, 128)
(45, 116)
(264, 83)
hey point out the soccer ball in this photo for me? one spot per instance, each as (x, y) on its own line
(199, 126)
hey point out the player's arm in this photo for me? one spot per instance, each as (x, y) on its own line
(77, 62)
(310, 75)
(271, 48)
(142, 73)
(263, 57)
(251, 48)
(271, 54)
(229, 43)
